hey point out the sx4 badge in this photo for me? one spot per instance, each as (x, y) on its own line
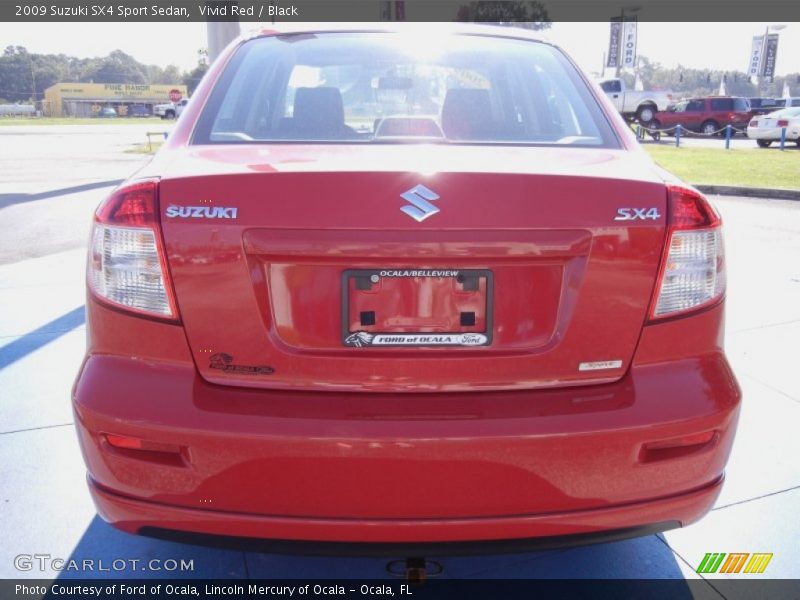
(634, 214)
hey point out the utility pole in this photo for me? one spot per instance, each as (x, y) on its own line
(33, 81)
(220, 33)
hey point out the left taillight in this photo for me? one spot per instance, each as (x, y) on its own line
(127, 266)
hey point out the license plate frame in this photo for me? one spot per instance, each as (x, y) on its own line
(467, 278)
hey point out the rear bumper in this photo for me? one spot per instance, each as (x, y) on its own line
(773, 135)
(413, 537)
(404, 468)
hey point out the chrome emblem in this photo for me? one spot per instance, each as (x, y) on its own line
(201, 212)
(420, 197)
(632, 214)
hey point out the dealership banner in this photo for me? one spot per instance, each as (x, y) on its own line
(770, 55)
(629, 44)
(613, 44)
(756, 56)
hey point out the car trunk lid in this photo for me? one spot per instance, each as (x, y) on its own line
(430, 268)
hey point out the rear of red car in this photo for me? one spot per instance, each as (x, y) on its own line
(372, 293)
(706, 115)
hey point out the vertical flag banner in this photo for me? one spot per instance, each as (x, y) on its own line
(629, 44)
(770, 54)
(754, 68)
(613, 44)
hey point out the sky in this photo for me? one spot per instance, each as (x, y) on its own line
(716, 46)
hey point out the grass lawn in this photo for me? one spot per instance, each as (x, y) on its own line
(12, 121)
(145, 148)
(765, 168)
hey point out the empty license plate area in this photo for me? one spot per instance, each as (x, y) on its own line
(417, 307)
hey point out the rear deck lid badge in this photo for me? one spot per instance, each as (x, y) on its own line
(599, 365)
(201, 212)
(224, 362)
(420, 198)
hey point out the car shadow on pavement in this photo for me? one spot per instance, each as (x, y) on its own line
(33, 340)
(115, 554)
(11, 199)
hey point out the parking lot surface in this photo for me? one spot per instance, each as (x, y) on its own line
(737, 143)
(50, 183)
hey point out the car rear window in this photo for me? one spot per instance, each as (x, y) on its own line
(722, 104)
(390, 88)
(611, 86)
(741, 104)
(786, 113)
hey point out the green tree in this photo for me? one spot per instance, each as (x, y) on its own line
(117, 67)
(526, 14)
(192, 79)
(17, 74)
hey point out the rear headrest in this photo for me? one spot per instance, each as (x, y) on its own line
(465, 112)
(318, 109)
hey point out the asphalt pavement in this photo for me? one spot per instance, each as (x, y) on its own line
(53, 177)
(50, 183)
(737, 143)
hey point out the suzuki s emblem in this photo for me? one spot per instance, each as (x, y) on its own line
(420, 197)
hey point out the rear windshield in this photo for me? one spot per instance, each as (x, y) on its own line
(785, 113)
(392, 88)
(737, 104)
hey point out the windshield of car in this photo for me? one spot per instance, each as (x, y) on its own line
(391, 88)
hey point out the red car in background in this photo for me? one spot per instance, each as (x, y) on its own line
(705, 115)
(374, 290)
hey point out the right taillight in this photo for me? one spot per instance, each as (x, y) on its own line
(692, 274)
(127, 266)
(783, 123)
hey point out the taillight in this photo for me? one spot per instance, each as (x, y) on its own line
(783, 123)
(692, 272)
(127, 266)
(753, 123)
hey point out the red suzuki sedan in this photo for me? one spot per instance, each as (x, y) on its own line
(407, 290)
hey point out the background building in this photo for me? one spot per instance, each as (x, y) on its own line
(88, 99)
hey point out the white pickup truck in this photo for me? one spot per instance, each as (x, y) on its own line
(170, 110)
(631, 104)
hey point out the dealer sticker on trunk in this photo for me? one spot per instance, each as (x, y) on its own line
(360, 339)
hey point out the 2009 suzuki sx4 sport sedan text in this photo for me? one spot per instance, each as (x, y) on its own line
(391, 288)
